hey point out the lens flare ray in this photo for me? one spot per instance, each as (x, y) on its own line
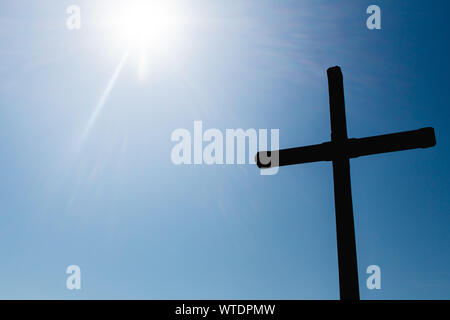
(104, 97)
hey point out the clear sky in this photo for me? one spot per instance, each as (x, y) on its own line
(86, 177)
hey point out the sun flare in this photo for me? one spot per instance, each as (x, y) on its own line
(148, 29)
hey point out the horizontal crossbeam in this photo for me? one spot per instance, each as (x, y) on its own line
(350, 148)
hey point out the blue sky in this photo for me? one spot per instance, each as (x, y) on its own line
(142, 228)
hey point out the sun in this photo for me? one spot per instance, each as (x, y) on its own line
(145, 31)
(153, 23)
(148, 30)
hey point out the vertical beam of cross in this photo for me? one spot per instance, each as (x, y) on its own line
(345, 230)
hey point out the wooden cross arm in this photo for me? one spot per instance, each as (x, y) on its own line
(350, 148)
(422, 138)
(286, 157)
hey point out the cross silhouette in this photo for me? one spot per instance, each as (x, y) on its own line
(340, 150)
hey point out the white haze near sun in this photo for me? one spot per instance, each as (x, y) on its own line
(150, 31)
(146, 32)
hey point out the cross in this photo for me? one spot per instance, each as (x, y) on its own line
(339, 151)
